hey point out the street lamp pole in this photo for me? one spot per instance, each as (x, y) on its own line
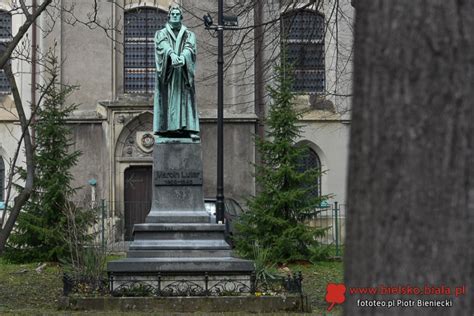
(229, 23)
(220, 113)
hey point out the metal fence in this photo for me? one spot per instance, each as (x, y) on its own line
(114, 222)
(109, 227)
(158, 284)
(332, 220)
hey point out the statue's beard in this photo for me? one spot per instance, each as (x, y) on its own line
(175, 25)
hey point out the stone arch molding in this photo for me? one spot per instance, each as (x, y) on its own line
(317, 150)
(136, 139)
(160, 4)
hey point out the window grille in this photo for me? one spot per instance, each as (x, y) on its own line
(2, 179)
(5, 37)
(311, 161)
(139, 60)
(303, 39)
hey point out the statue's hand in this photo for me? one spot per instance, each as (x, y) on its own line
(178, 62)
(175, 59)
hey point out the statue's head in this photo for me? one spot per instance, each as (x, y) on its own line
(175, 14)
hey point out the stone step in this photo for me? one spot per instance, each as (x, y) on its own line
(170, 244)
(178, 253)
(178, 217)
(178, 227)
(199, 235)
(178, 231)
(181, 265)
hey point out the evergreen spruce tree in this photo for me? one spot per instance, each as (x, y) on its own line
(276, 215)
(38, 235)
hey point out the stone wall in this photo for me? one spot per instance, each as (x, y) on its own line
(90, 139)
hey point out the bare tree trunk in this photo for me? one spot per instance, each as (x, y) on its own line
(23, 7)
(25, 192)
(411, 172)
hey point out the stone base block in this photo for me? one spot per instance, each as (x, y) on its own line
(177, 184)
(181, 266)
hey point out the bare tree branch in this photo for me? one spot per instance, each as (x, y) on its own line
(25, 9)
(21, 32)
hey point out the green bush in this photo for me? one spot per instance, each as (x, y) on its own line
(86, 259)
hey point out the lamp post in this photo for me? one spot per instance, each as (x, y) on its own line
(220, 113)
(223, 22)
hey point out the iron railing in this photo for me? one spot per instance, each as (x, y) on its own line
(332, 219)
(168, 285)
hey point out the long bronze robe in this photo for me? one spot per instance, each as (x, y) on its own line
(175, 111)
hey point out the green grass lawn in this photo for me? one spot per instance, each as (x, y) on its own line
(23, 291)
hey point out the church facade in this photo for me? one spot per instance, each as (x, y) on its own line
(114, 69)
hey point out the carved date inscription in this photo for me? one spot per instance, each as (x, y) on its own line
(175, 177)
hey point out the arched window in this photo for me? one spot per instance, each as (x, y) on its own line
(2, 179)
(309, 161)
(303, 39)
(5, 37)
(139, 61)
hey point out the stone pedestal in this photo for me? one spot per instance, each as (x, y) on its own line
(177, 240)
(177, 180)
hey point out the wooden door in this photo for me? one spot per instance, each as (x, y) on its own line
(138, 195)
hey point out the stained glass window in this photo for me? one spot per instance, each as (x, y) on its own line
(139, 61)
(311, 161)
(5, 37)
(303, 38)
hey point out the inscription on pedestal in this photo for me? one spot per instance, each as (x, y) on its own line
(175, 177)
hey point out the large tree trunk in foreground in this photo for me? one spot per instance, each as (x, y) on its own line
(411, 181)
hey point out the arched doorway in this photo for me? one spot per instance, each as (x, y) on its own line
(137, 197)
(133, 172)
